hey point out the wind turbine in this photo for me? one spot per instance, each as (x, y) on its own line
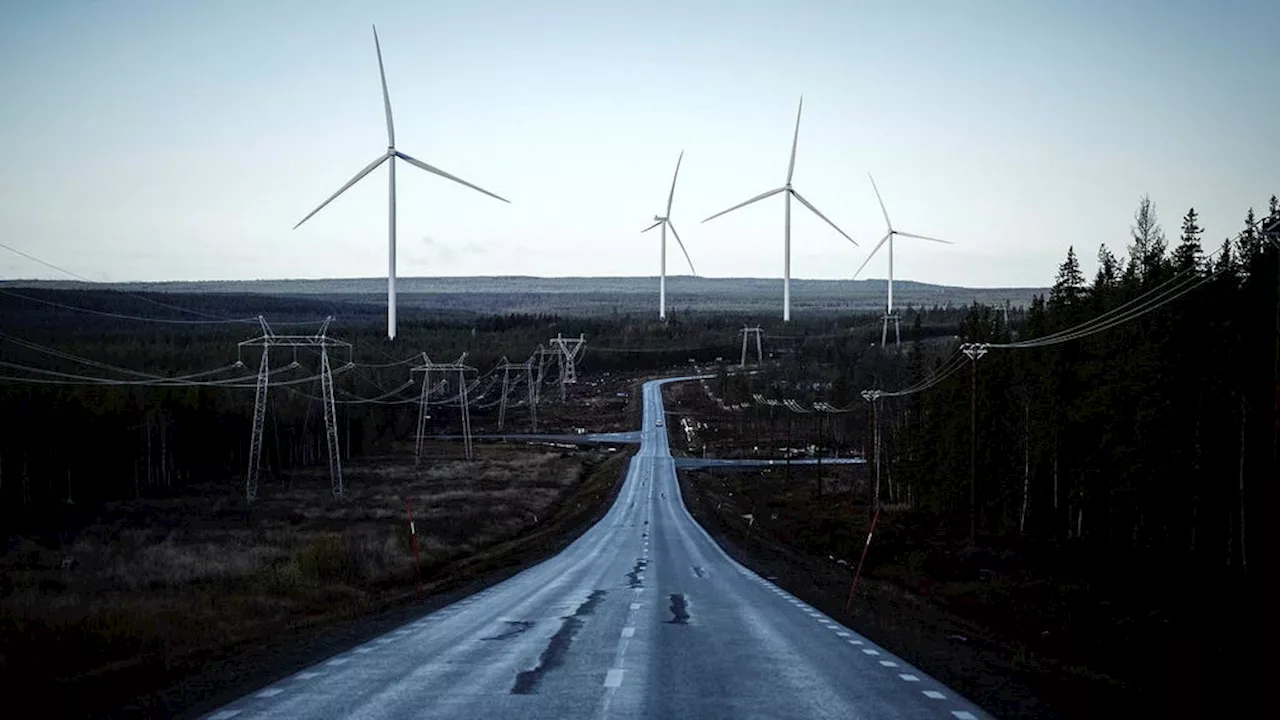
(665, 222)
(889, 314)
(786, 262)
(390, 157)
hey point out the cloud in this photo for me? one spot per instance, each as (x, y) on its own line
(431, 250)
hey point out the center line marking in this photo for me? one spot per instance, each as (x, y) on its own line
(628, 631)
(613, 678)
(934, 694)
(869, 651)
(635, 606)
(888, 663)
(908, 677)
(270, 693)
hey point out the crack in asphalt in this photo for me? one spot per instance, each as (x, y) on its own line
(553, 655)
(514, 627)
(679, 610)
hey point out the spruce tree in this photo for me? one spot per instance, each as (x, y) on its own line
(1188, 255)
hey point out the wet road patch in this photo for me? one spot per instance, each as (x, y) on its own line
(633, 577)
(679, 610)
(553, 656)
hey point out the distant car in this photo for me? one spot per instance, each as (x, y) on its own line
(658, 423)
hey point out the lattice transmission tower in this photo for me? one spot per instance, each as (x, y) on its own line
(427, 367)
(747, 332)
(323, 343)
(506, 367)
(569, 351)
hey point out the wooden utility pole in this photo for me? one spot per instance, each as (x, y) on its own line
(974, 351)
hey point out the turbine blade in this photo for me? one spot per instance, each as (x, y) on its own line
(874, 250)
(761, 196)
(651, 227)
(924, 237)
(682, 248)
(367, 169)
(386, 97)
(672, 196)
(887, 224)
(418, 163)
(795, 139)
(809, 205)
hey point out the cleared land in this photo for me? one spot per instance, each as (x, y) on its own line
(152, 593)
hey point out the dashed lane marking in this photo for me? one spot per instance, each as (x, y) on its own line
(869, 651)
(269, 693)
(908, 677)
(635, 606)
(854, 642)
(842, 633)
(888, 663)
(613, 678)
(628, 632)
(934, 694)
(964, 715)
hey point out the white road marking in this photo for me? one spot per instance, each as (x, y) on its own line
(888, 663)
(908, 677)
(842, 633)
(613, 678)
(269, 693)
(934, 694)
(855, 642)
(364, 650)
(385, 640)
(224, 715)
(964, 715)
(869, 651)
(635, 606)
(337, 661)
(307, 675)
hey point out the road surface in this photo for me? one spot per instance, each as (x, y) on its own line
(643, 616)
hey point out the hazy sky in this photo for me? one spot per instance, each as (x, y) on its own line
(182, 140)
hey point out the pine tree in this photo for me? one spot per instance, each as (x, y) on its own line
(1108, 273)
(1146, 254)
(1188, 255)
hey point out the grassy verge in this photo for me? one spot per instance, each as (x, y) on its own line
(160, 608)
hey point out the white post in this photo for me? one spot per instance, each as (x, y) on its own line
(786, 261)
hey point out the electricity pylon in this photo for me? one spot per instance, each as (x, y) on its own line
(974, 351)
(746, 332)
(266, 341)
(872, 396)
(506, 367)
(569, 351)
(427, 367)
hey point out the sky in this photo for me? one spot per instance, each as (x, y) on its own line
(158, 140)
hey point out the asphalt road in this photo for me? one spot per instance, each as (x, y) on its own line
(643, 616)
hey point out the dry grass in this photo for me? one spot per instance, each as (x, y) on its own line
(157, 579)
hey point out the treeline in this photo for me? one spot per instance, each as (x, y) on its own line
(1152, 440)
(75, 445)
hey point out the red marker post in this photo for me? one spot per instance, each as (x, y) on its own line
(858, 572)
(413, 540)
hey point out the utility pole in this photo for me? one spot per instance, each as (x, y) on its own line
(974, 351)
(747, 332)
(266, 341)
(872, 396)
(459, 367)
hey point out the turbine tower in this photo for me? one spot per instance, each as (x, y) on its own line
(889, 314)
(665, 222)
(390, 157)
(786, 236)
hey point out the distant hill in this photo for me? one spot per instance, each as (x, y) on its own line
(590, 295)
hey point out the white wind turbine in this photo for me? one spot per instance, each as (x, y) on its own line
(390, 157)
(889, 314)
(665, 222)
(786, 262)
